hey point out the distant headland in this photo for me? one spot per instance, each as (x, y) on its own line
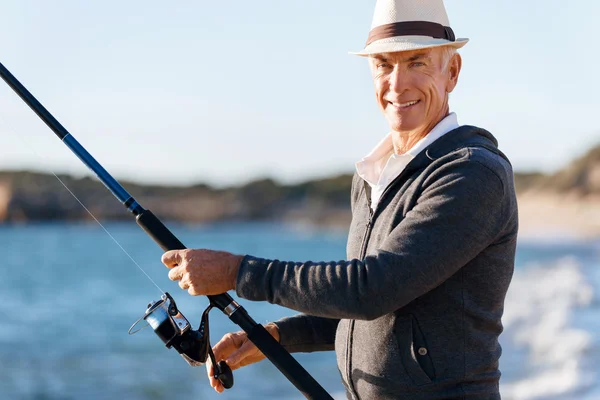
(567, 201)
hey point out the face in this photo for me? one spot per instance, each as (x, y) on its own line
(412, 87)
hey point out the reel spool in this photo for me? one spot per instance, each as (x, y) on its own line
(176, 331)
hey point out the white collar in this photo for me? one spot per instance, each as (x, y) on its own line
(370, 167)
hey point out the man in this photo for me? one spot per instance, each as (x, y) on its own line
(415, 311)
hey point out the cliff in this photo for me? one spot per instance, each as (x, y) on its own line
(570, 198)
(565, 202)
(581, 178)
(30, 196)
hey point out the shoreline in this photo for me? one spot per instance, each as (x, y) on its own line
(553, 216)
(541, 216)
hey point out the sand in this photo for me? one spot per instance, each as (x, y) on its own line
(553, 215)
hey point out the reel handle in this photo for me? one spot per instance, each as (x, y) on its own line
(224, 374)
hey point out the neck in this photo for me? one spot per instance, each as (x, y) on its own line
(405, 140)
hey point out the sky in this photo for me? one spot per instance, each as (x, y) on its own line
(225, 92)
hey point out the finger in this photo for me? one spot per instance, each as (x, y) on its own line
(214, 382)
(228, 344)
(210, 371)
(193, 292)
(176, 273)
(171, 258)
(236, 358)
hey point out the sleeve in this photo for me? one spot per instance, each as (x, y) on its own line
(458, 214)
(307, 333)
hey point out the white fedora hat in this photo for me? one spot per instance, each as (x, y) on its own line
(403, 25)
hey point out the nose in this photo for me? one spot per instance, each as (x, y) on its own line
(398, 80)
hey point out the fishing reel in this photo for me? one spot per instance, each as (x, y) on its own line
(176, 331)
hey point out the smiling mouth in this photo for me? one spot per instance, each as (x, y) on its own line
(404, 106)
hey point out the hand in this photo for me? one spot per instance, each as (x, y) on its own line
(203, 272)
(237, 351)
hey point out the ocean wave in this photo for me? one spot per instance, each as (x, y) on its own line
(551, 350)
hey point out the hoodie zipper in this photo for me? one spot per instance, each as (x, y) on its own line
(363, 251)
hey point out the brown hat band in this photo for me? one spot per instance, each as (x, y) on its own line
(408, 28)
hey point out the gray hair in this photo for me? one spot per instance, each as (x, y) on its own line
(447, 53)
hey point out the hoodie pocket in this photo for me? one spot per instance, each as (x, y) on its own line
(414, 351)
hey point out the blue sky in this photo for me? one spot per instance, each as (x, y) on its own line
(228, 91)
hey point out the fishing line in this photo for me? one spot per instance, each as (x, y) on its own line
(163, 316)
(12, 131)
(108, 233)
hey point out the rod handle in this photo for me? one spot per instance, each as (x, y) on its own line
(158, 231)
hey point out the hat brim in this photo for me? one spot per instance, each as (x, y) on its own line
(407, 43)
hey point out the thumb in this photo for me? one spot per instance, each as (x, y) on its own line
(171, 258)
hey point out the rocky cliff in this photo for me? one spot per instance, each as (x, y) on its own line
(31, 196)
(572, 193)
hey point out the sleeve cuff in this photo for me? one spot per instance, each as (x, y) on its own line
(252, 279)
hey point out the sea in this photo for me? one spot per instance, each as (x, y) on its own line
(69, 293)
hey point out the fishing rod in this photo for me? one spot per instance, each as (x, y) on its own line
(163, 316)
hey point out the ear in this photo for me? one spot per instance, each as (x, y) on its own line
(453, 70)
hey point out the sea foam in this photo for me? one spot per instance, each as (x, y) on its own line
(548, 333)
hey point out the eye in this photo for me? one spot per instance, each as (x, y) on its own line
(383, 65)
(417, 64)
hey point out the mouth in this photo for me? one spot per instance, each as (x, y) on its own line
(404, 106)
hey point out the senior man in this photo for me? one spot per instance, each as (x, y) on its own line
(415, 310)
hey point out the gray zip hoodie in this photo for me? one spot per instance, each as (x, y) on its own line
(415, 310)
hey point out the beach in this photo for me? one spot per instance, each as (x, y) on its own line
(555, 215)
